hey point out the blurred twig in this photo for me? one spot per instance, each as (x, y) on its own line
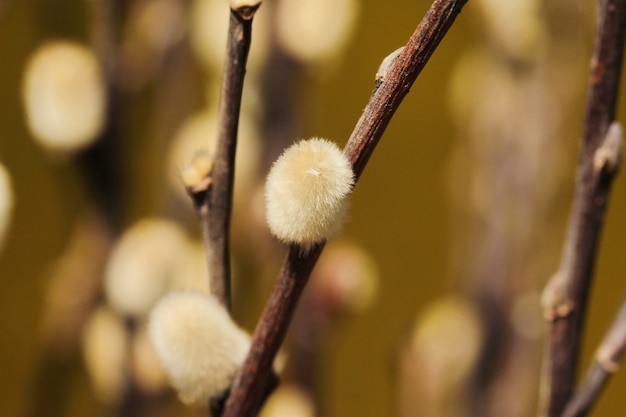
(605, 364)
(565, 297)
(393, 83)
(102, 164)
(101, 169)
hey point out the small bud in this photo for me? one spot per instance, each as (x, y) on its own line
(198, 344)
(383, 70)
(196, 176)
(142, 264)
(193, 147)
(307, 192)
(64, 96)
(609, 155)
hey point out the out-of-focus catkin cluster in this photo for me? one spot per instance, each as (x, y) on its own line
(315, 32)
(435, 367)
(105, 341)
(151, 258)
(64, 96)
(307, 192)
(152, 30)
(515, 27)
(6, 203)
(344, 280)
(288, 401)
(512, 100)
(199, 345)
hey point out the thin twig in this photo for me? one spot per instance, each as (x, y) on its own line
(565, 296)
(395, 78)
(213, 203)
(393, 82)
(606, 363)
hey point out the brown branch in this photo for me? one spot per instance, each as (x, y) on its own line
(606, 363)
(250, 383)
(565, 296)
(393, 82)
(213, 201)
(395, 78)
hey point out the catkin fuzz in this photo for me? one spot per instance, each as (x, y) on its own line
(307, 192)
(198, 344)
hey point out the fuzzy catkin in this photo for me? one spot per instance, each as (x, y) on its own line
(141, 265)
(198, 344)
(307, 192)
(64, 96)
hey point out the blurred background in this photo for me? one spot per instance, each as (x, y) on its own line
(426, 305)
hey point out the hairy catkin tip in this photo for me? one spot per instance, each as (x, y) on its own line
(198, 344)
(307, 192)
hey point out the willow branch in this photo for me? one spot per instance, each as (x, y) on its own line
(213, 197)
(393, 82)
(565, 296)
(606, 363)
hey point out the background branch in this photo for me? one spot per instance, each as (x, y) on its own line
(393, 82)
(606, 362)
(213, 205)
(565, 297)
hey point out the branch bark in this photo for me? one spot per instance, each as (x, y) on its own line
(565, 296)
(393, 81)
(606, 363)
(213, 200)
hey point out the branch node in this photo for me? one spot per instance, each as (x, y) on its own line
(608, 157)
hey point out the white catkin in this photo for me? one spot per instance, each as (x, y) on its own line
(307, 192)
(64, 96)
(142, 265)
(198, 344)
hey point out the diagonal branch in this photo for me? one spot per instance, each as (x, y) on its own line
(213, 198)
(395, 78)
(565, 296)
(606, 363)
